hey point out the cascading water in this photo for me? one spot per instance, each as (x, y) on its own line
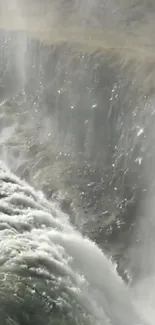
(77, 123)
(49, 272)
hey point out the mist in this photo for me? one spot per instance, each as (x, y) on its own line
(77, 111)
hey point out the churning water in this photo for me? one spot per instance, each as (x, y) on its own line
(48, 271)
(77, 123)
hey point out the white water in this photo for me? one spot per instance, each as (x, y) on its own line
(64, 273)
(47, 266)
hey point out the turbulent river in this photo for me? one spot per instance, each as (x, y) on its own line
(77, 148)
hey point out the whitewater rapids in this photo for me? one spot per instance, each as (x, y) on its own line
(49, 273)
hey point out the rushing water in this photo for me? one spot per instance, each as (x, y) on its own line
(49, 272)
(77, 123)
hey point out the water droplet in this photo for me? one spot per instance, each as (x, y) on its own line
(105, 213)
(90, 184)
(139, 160)
(141, 131)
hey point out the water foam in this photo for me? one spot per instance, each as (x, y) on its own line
(48, 272)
